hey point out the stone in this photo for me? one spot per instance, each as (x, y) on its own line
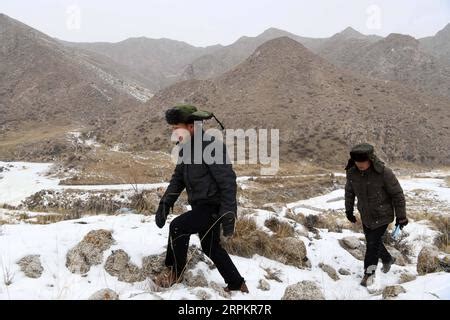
(304, 290)
(89, 251)
(428, 260)
(329, 270)
(31, 266)
(104, 294)
(392, 291)
(263, 285)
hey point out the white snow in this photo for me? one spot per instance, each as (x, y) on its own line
(139, 237)
(331, 201)
(23, 180)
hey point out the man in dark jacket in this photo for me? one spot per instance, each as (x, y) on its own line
(211, 190)
(380, 199)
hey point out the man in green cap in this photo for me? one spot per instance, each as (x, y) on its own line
(211, 188)
(380, 199)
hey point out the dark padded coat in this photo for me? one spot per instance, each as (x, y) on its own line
(205, 183)
(380, 196)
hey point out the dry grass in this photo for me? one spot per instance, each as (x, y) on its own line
(8, 276)
(248, 240)
(280, 228)
(277, 189)
(272, 274)
(440, 223)
(29, 142)
(33, 133)
(51, 218)
(330, 220)
(108, 167)
(286, 169)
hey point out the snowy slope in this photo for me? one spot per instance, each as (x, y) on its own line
(139, 237)
(22, 179)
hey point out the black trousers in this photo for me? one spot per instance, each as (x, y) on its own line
(199, 220)
(375, 249)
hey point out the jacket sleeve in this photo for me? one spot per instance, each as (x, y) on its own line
(394, 189)
(176, 186)
(349, 197)
(225, 178)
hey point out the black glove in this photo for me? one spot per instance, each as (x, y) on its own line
(351, 217)
(161, 214)
(402, 222)
(228, 222)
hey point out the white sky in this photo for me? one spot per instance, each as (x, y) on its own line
(208, 22)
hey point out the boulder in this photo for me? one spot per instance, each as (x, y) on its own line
(153, 265)
(89, 251)
(304, 290)
(392, 291)
(353, 246)
(118, 265)
(428, 260)
(104, 294)
(329, 270)
(263, 285)
(195, 280)
(351, 242)
(31, 266)
(344, 272)
(203, 295)
(294, 253)
(407, 277)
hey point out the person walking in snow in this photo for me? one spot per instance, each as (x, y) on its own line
(380, 199)
(211, 190)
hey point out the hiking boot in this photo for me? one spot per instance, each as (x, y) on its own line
(167, 278)
(387, 266)
(367, 280)
(243, 288)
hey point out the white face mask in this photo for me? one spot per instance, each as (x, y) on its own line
(181, 136)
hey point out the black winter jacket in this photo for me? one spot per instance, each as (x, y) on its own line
(379, 195)
(205, 183)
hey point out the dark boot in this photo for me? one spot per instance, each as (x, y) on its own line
(243, 288)
(367, 280)
(387, 266)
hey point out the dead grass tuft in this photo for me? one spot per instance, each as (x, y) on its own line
(248, 240)
(273, 274)
(280, 228)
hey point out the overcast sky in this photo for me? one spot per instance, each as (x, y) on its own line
(207, 22)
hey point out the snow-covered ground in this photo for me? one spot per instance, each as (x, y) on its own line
(20, 180)
(139, 237)
(435, 188)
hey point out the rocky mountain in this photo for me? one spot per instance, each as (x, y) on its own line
(41, 80)
(213, 64)
(439, 44)
(156, 63)
(396, 58)
(321, 110)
